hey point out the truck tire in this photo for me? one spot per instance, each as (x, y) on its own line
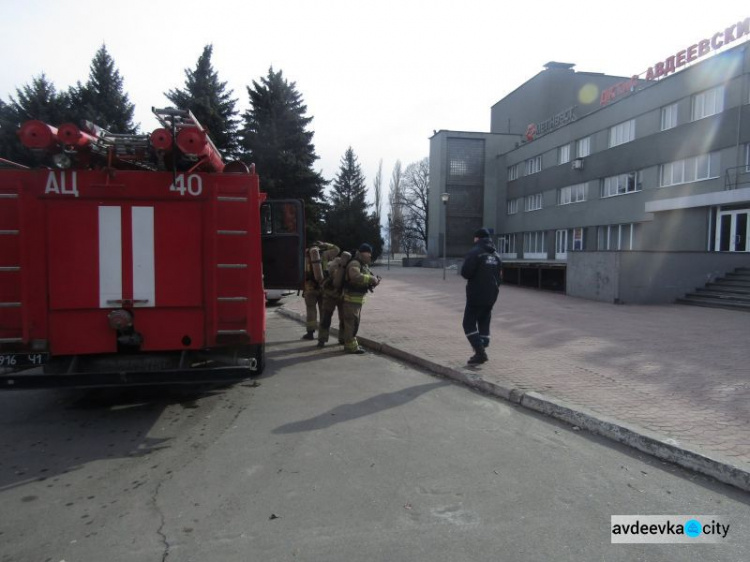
(260, 357)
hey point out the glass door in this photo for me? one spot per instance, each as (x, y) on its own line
(732, 231)
(561, 245)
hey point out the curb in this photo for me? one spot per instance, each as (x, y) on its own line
(639, 438)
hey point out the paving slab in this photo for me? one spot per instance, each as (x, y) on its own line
(672, 380)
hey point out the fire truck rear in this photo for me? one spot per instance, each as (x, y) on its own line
(137, 259)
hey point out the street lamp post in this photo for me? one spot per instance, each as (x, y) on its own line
(444, 198)
(389, 241)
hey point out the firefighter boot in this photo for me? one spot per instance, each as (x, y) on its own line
(480, 356)
(309, 335)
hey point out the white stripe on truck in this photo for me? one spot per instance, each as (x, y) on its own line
(110, 256)
(144, 272)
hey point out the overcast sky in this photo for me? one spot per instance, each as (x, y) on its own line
(379, 76)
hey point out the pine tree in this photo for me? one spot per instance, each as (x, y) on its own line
(38, 100)
(348, 223)
(211, 103)
(276, 139)
(349, 188)
(102, 99)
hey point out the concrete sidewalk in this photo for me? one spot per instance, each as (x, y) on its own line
(670, 380)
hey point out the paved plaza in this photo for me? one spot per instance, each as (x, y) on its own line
(678, 371)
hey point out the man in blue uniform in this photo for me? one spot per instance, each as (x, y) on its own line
(482, 268)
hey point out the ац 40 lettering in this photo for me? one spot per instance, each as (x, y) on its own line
(192, 185)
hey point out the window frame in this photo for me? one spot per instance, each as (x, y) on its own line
(530, 200)
(578, 230)
(622, 133)
(506, 244)
(511, 207)
(585, 141)
(563, 154)
(514, 172)
(533, 165)
(606, 235)
(700, 108)
(634, 179)
(577, 193)
(687, 169)
(669, 114)
(539, 243)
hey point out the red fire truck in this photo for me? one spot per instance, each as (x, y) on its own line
(137, 259)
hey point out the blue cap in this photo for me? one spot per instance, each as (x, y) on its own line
(482, 233)
(365, 248)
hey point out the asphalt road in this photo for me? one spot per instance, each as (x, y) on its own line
(327, 457)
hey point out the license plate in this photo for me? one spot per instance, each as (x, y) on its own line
(23, 359)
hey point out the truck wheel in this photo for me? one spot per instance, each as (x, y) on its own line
(260, 357)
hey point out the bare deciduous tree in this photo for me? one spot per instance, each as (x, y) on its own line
(378, 183)
(394, 202)
(414, 191)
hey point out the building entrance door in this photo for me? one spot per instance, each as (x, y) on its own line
(561, 245)
(732, 231)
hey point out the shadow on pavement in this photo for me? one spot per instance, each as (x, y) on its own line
(47, 433)
(348, 412)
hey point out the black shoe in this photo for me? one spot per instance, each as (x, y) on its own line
(321, 343)
(478, 358)
(341, 342)
(308, 336)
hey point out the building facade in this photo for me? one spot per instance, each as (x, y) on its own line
(636, 190)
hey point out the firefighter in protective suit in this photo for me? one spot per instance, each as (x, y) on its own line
(333, 298)
(359, 279)
(316, 264)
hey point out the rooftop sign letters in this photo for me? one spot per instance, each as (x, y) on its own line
(535, 130)
(698, 50)
(681, 58)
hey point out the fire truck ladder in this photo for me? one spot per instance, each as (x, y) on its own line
(231, 264)
(130, 148)
(12, 325)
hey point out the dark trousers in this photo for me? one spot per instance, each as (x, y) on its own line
(477, 325)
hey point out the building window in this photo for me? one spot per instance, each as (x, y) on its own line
(622, 133)
(708, 103)
(669, 117)
(577, 245)
(533, 165)
(572, 194)
(747, 157)
(563, 154)
(533, 202)
(697, 168)
(506, 245)
(621, 184)
(512, 206)
(616, 237)
(583, 147)
(513, 172)
(533, 245)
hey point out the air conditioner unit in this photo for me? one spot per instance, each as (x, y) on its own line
(578, 164)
